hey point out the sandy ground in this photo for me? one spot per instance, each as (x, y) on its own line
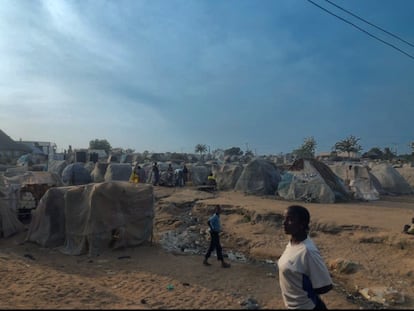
(154, 276)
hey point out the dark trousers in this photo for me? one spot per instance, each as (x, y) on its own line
(320, 305)
(215, 245)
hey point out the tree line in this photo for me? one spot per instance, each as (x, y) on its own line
(306, 150)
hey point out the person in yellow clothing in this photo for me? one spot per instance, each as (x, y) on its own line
(134, 175)
(211, 180)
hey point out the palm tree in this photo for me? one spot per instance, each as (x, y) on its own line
(200, 148)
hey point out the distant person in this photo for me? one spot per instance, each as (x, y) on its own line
(155, 174)
(185, 174)
(215, 229)
(134, 178)
(303, 275)
(211, 180)
(138, 174)
(141, 174)
(409, 228)
(179, 177)
(170, 175)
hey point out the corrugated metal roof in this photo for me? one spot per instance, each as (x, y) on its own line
(8, 144)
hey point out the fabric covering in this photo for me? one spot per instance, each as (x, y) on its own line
(94, 218)
(390, 179)
(76, 174)
(9, 224)
(199, 174)
(227, 176)
(98, 173)
(312, 181)
(118, 171)
(359, 180)
(259, 177)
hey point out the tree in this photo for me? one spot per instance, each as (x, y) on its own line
(374, 153)
(307, 150)
(249, 153)
(100, 144)
(348, 145)
(129, 150)
(388, 154)
(200, 148)
(233, 151)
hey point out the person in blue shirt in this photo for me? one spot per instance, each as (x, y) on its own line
(215, 229)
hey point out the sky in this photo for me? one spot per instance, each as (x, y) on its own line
(166, 75)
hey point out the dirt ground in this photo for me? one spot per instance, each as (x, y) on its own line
(168, 272)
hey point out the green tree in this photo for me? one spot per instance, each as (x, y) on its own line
(100, 144)
(129, 150)
(374, 153)
(249, 153)
(348, 145)
(200, 148)
(388, 154)
(307, 149)
(233, 151)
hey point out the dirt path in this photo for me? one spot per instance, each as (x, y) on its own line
(149, 277)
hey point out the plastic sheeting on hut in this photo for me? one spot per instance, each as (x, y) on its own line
(93, 218)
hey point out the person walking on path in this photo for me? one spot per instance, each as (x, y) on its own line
(303, 275)
(155, 174)
(185, 174)
(215, 229)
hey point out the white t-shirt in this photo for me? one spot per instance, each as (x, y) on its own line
(301, 269)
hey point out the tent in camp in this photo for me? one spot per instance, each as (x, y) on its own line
(94, 218)
(358, 179)
(390, 180)
(259, 177)
(118, 171)
(199, 174)
(311, 181)
(24, 191)
(227, 175)
(98, 173)
(57, 166)
(9, 224)
(407, 171)
(76, 174)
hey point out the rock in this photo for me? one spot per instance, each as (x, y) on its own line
(383, 295)
(343, 266)
(250, 304)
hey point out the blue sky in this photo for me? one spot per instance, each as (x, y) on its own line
(165, 75)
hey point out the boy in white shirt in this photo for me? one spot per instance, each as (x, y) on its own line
(303, 275)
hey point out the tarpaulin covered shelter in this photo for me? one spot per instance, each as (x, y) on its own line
(311, 181)
(94, 217)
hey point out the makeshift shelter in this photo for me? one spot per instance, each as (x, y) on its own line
(199, 174)
(358, 179)
(227, 176)
(76, 174)
(390, 179)
(24, 191)
(311, 181)
(94, 218)
(259, 177)
(10, 148)
(407, 171)
(98, 173)
(118, 171)
(9, 224)
(57, 166)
